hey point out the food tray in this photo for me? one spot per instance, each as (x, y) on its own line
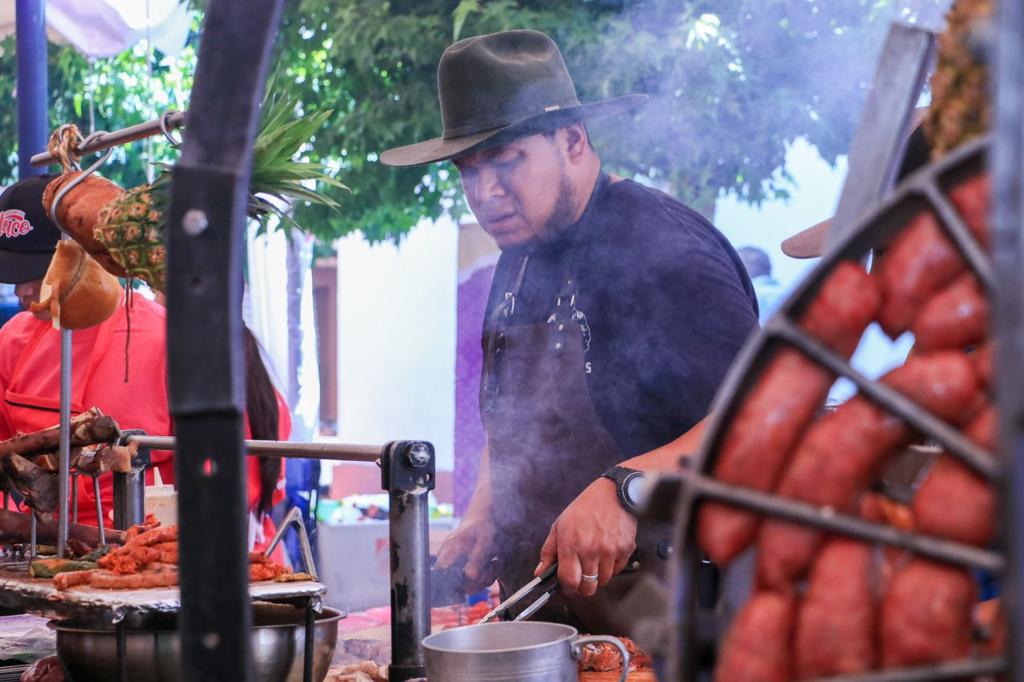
(107, 607)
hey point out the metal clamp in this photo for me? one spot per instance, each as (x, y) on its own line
(294, 518)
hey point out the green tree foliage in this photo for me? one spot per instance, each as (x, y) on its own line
(732, 83)
(110, 93)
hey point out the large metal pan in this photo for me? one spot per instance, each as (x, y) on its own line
(90, 655)
(516, 651)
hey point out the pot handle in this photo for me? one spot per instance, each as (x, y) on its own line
(614, 641)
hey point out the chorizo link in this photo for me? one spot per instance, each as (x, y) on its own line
(926, 615)
(954, 502)
(955, 317)
(840, 454)
(773, 415)
(757, 646)
(836, 620)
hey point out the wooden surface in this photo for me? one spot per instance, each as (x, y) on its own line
(614, 677)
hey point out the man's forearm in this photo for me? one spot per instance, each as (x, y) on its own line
(666, 458)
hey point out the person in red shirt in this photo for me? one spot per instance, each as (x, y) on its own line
(123, 375)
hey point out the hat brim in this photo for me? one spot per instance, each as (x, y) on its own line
(16, 268)
(442, 149)
(809, 243)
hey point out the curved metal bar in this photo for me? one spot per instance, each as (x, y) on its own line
(961, 236)
(166, 130)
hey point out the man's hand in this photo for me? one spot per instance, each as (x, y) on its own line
(472, 544)
(593, 536)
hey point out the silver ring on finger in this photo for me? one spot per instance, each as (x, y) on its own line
(589, 578)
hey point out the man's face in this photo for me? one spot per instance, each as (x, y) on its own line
(519, 191)
(28, 293)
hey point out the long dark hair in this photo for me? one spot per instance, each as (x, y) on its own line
(261, 408)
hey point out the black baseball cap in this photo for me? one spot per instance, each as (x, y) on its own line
(28, 237)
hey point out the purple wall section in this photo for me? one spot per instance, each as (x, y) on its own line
(469, 430)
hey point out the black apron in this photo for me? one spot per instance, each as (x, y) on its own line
(546, 441)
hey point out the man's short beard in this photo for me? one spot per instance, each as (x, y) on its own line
(561, 217)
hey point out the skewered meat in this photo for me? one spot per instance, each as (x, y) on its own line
(38, 487)
(776, 411)
(841, 453)
(77, 292)
(836, 621)
(926, 615)
(955, 317)
(16, 527)
(106, 457)
(951, 485)
(109, 580)
(88, 428)
(78, 213)
(757, 647)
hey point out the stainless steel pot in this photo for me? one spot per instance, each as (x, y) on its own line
(90, 655)
(523, 651)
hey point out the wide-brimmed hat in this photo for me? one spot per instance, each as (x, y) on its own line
(497, 87)
(28, 237)
(810, 242)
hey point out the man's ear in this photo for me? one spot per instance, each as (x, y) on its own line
(576, 141)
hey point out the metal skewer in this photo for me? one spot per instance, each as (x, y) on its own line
(168, 122)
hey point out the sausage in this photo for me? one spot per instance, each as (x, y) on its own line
(773, 415)
(990, 620)
(926, 615)
(954, 502)
(955, 317)
(920, 261)
(971, 200)
(836, 620)
(831, 465)
(840, 454)
(757, 646)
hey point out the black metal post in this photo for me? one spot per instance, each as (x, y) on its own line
(33, 126)
(1008, 219)
(205, 233)
(407, 473)
(130, 488)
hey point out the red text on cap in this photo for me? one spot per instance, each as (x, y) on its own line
(13, 223)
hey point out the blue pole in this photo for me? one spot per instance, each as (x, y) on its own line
(33, 123)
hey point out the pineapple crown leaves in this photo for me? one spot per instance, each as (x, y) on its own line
(277, 178)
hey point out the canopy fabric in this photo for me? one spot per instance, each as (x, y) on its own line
(104, 28)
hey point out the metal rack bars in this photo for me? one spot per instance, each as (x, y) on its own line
(276, 448)
(173, 120)
(205, 237)
(886, 220)
(1008, 219)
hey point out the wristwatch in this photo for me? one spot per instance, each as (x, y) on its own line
(628, 486)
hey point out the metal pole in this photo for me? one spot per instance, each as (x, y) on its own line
(407, 473)
(33, 127)
(64, 452)
(205, 237)
(279, 448)
(1008, 219)
(115, 138)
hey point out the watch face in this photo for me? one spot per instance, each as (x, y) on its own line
(635, 489)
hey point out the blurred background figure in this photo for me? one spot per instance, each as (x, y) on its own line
(768, 290)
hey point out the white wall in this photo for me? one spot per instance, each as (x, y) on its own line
(396, 338)
(813, 199)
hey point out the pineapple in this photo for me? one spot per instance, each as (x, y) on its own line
(132, 226)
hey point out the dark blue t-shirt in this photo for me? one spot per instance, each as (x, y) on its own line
(666, 305)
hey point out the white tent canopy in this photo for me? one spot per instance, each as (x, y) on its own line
(104, 28)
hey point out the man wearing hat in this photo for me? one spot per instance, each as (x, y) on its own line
(614, 314)
(125, 380)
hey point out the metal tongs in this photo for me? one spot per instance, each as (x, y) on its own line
(546, 582)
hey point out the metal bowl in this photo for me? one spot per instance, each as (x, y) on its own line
(90, 655)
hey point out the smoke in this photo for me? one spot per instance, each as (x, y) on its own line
(732, 85)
